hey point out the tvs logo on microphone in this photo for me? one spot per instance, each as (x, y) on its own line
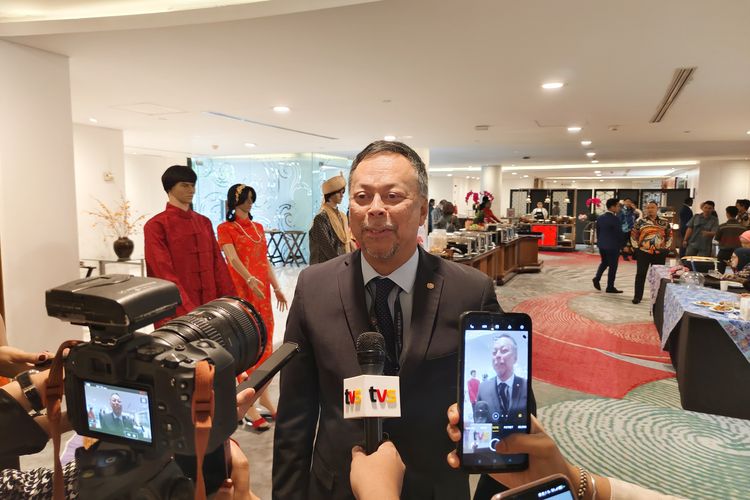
(376, 396)
(371, 396)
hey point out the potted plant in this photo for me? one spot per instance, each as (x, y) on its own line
(118, 222)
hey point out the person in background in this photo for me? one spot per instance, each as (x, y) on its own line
(741, 255)
(484, 212)
(244, 244)
(473, 388)
(539, 213)
(701, 231)
(437, 213)
(430, 208)
(685, 214)
(728, 236)
(743, 217)
(628, 214)
(651, 238)
(329, 234)
(180, 246)
(609, 240)
(447, 220)
(556, 209)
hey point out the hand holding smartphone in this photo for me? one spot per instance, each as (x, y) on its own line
(494, 384)
(554, 487)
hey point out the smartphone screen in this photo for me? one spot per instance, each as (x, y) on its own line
(495, 378)
(554, 487)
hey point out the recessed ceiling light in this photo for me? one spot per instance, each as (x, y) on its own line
(389, 138)
(450, 175)
(554, 182)
(748, 132)
(586, 143)
(574, 129)
(598, 175)
(282, 109)
(600, 180)
(514, 173)
(250, 145)
(590, 154)
(597, 171)
(574, 182)
(594, 161)
(525, 176)
(407, 136)
(552, 85)
(94, 120)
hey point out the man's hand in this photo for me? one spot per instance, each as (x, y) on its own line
(377, 476)
(545, 458)
(14, 361)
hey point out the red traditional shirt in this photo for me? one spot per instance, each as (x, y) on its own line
(181, 248)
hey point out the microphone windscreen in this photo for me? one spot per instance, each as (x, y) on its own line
(370, 341)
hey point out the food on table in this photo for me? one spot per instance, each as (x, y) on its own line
(704, 303)
(722, 308)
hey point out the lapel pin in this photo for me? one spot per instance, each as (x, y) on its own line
(430, 286)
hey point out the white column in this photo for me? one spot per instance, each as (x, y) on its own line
(38, 226)
(492, 181)
(723, 182)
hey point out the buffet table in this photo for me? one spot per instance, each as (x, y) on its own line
(710, 351)
(504, 261)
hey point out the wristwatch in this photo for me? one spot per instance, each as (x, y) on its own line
(29, 390)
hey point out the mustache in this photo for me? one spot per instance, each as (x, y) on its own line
(389, 226)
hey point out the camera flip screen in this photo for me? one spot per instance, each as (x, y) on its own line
(118, 411)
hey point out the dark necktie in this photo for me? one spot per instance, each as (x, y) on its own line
(502, 395)
(383, 287)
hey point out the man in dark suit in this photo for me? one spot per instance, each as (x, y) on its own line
(685, 213)
(505, 393)
(389, 283)
(115, 422)
(609, 240)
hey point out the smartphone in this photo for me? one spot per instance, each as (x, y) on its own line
(270, 367)
(494, 374)
(554, 487)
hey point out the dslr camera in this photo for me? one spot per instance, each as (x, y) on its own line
(130, 388)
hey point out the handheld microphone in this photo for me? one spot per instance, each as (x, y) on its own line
(371, 396)
(481, 412)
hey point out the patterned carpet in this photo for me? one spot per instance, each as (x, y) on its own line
(607, 393)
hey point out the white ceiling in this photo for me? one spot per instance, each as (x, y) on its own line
(427, 69)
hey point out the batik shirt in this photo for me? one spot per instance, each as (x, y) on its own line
(651, 235)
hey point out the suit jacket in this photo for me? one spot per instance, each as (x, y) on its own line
(518, 402)
(608, 232)
(326, 317)
(110, 426)
(686, 213)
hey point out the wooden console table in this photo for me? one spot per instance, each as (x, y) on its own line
(506, 260)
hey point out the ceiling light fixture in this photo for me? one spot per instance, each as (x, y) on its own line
(94, 120)
(574, 129)
(597, 171)
(585, 143)
(282, 109)
(525, 176)
(748, 132)
(250, 144)
(450, 175)
(389, 138)
(594, 161)
(514, 173)
(552, 85)
(590, 154)
(601, 180)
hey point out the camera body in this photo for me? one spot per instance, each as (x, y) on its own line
(157, 382)
(133, 388)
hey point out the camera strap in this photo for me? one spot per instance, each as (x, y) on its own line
(53, 394)
(203, 413)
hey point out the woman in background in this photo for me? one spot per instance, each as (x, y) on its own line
(484, 212)
(244, 245)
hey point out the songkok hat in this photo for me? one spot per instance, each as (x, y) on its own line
(334, 184)
(745, 236)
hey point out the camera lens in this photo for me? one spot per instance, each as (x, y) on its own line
(231, 322)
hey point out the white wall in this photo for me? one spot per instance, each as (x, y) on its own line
(453, 189)
(144, 190)
(97, 151)
(723, 182)
(38, 223)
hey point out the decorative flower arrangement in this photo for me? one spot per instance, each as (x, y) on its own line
(596, 202)
(478, 195)
(118, 221)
